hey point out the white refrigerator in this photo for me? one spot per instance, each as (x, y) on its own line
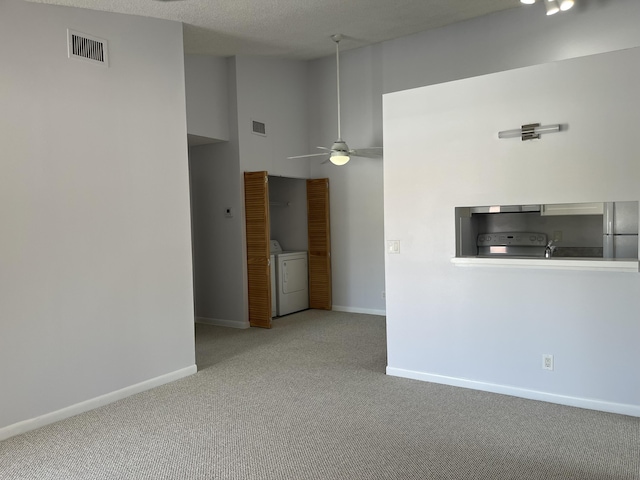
(620, 239)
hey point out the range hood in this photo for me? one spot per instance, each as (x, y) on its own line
(506, 209)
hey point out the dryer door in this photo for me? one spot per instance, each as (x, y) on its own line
(294, 275)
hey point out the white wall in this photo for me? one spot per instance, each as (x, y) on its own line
(218, 254)
(487, 328)
(216, 184)
(267, 90)
(207, 98)
(356, 200)
(272, 91)
(288, 212)
(514, 38)
(511, 39)
(95, 276)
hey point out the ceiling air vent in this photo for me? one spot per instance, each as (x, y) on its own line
(259, 128)
(87, 48)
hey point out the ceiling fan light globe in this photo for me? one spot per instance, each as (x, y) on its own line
(339, 158)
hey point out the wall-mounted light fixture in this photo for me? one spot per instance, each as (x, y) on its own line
(553, 6)
(530, 131)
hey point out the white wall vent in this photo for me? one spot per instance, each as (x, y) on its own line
(259, 128)
(87, 48)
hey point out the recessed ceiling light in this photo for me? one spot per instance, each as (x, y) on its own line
(552, 7)
(566, 5)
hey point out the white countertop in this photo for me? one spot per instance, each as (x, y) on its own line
(560, 263)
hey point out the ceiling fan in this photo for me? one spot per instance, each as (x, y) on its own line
(340, 153)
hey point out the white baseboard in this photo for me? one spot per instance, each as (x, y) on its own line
(368, 311)
(48, 418)
(621, 408)
(223, 323)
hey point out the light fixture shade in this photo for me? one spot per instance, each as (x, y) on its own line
(566, 5)
(339, 158)
(552, 7)
(528, 2)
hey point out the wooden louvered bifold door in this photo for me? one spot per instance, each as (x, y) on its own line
(319, 243)
(256, 200)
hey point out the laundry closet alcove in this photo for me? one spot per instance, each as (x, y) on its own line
(258, 235)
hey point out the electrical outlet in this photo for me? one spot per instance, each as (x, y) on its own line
(547, 361)
(557, 236)
(384, 295)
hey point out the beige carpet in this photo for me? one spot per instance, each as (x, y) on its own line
(309, 399)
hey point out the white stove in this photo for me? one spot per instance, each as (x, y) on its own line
(512, 244)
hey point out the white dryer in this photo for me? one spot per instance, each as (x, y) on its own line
(274, 300)
(292, 280)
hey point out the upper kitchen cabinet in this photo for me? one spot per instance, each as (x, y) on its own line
(207, 99)
(586, 208)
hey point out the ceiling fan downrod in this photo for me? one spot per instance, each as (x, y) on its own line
(336, 38)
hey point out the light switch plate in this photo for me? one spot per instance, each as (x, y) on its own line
(393, 246)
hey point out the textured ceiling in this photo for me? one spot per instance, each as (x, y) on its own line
(299, 29)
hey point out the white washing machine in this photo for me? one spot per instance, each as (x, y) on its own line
(292, 280)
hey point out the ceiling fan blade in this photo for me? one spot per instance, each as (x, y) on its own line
(373, 152)
(310, 155)
(324, 148)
